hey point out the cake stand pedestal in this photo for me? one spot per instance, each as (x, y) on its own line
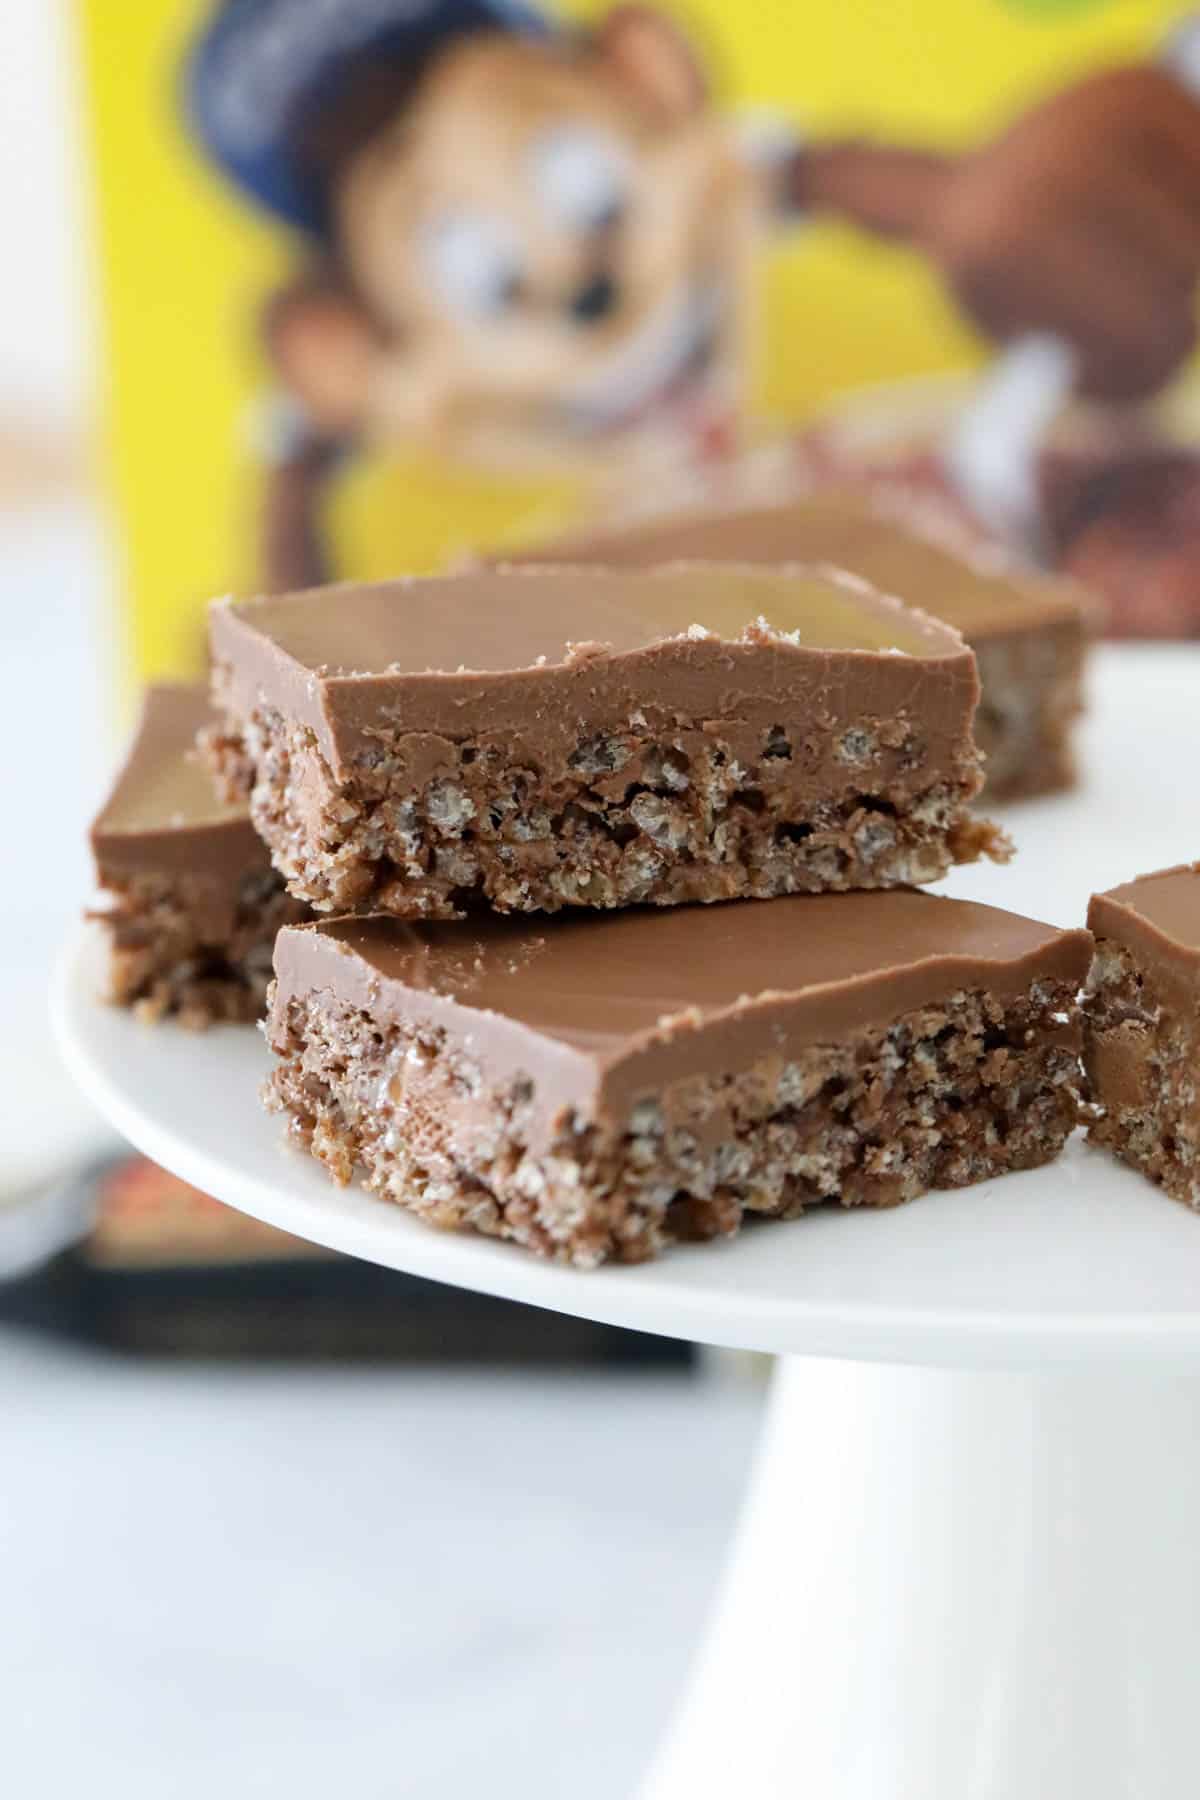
(956, 1585)
(967, 1568)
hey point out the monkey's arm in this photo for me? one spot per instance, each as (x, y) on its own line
(891, 192)
(292, 550)
(1080, 222)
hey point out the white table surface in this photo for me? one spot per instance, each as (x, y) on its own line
(372, 1583)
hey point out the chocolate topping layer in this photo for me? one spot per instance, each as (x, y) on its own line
(1157, 916)
(601, 1011)
(163, 815)
(546, 655)
(976, 589)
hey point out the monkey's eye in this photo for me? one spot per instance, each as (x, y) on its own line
(473, 264)
(582, 175)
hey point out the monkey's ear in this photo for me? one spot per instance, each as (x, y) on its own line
(650, 54)
(324, 349)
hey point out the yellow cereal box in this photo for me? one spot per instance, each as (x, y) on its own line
(388, 280)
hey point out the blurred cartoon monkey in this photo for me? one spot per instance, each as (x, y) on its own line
(525, 239)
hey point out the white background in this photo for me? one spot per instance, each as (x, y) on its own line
(57, 719)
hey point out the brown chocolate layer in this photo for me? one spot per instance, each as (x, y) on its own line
(543, 658)
(601, 1012)
(1157, 917)
(164, 816)
(973, 587)
(1141, 1014)
(192, 903)
(950, 1094)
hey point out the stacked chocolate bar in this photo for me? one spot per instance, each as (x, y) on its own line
(1028, 629)
(190, 899)
(1142, 1027)
(513, 789)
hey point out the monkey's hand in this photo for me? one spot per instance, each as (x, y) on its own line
(889, 191)
(1081, 222)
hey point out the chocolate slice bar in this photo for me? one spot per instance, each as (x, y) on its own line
(603, 1086)
(1027, 629)
(1142, 1026)
(192, 903)
(544, 739)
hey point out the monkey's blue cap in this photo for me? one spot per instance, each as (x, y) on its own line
(273, 86)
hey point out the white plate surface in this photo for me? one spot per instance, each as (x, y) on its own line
(1080, 1260)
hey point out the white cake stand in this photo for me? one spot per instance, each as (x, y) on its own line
(969, 1563)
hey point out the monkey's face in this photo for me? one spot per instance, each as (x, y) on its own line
(545, 252)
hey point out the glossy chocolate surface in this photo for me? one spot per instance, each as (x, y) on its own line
(1157, 918)
(977, 590)
(163, 814)
(548, 656)
(599, 1010)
